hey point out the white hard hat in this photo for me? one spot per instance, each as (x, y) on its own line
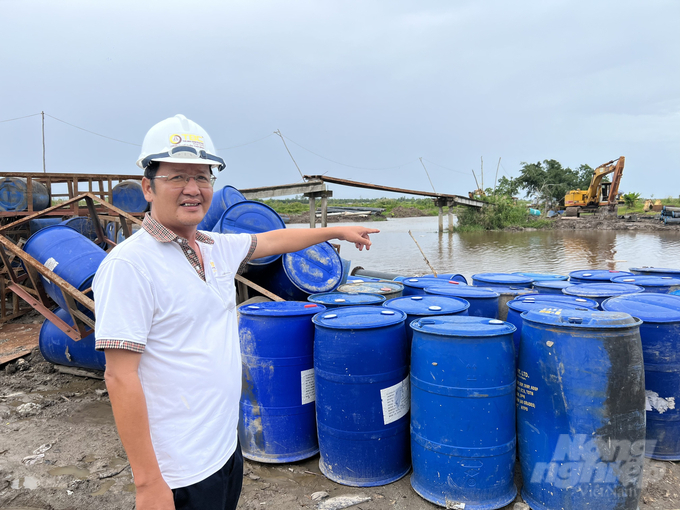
(179, 140)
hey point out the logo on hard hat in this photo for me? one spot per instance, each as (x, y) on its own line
(187, 139)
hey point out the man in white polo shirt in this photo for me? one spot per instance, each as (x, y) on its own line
(166, 319)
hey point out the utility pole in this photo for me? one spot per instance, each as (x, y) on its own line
(42, 114)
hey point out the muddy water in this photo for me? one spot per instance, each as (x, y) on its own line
(555, 251)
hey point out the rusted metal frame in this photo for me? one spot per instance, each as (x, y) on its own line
(31, 263)
(256, 287)
(45, 312)
(45, 212)
(76, 193)
(80, 320)
(64, 177)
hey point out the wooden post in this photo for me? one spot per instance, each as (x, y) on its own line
(450, 204)
(312, 211)
(324, 210)
(441, 218)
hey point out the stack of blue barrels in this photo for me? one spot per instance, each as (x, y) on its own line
(14, 195)
(75, 258)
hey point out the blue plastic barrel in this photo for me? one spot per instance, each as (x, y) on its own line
(250, 217)
(501, 280)
(561, 299)
(544, 277)
(483, 302)
(601, 291)
(40, 223)
(222, 200)
(456, 277)
(121, 237)
(463, 414)
(14, 195)
(341, 299)
(277, 422)
(657, 284)
(660, 333)
(70, 255)
(57, 347)
(346, 264)
(552, 287)
(386, 288)
(517, 307)
(416, 286)
(362, 395)
(417, 307)
(596, 275)
(84, 226)
(309, 271)
(581, 410)
(129, 197)
(656, 271)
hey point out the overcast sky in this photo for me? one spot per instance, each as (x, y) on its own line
(368, 84)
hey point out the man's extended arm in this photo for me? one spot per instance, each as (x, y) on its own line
(287, 240)
(132, 421)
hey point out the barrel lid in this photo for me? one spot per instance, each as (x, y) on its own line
(602, 289)
(667, 270)
(428, 305)
(281, 309)
(250, 217)
(649, 307)
(359, 317)
(502, 278)
(424, 282)
(581, 319)
(558, 299)
(648, 281)
(553, 284)
(543, 307)
(462, 325)
(346, 299)
(314, 269)
(598, 275)
(378, 287)
(543, 277)
(463, 292)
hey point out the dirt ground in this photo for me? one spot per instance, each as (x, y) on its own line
(59, 450)
(598, 223)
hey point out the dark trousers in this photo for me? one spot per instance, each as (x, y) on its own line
(220, 491)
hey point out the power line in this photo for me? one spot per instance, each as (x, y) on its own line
(278, 133)
(247, 143)
(445, 168)
(19, 118)
(343, 164)
(91, 132)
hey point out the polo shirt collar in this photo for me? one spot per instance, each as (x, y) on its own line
(163, 234)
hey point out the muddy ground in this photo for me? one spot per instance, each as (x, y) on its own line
(59, 450)
(645, 224)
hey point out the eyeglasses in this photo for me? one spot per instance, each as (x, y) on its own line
(179, 181)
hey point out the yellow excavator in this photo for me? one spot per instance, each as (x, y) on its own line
(600, 196)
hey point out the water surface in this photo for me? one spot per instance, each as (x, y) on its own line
(553, 251)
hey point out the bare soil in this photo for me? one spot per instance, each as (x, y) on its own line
(84, 465)
(599, 223)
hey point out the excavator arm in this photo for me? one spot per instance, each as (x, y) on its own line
(614, 166)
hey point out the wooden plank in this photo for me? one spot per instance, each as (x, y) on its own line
(17, 340)
(283, 190)
(255, 286)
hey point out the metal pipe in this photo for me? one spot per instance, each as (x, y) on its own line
(360, 271)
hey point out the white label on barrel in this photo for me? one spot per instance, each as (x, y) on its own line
(308, 388)
(396, 401)
(51, 264)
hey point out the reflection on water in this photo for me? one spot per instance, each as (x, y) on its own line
(555, 251)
